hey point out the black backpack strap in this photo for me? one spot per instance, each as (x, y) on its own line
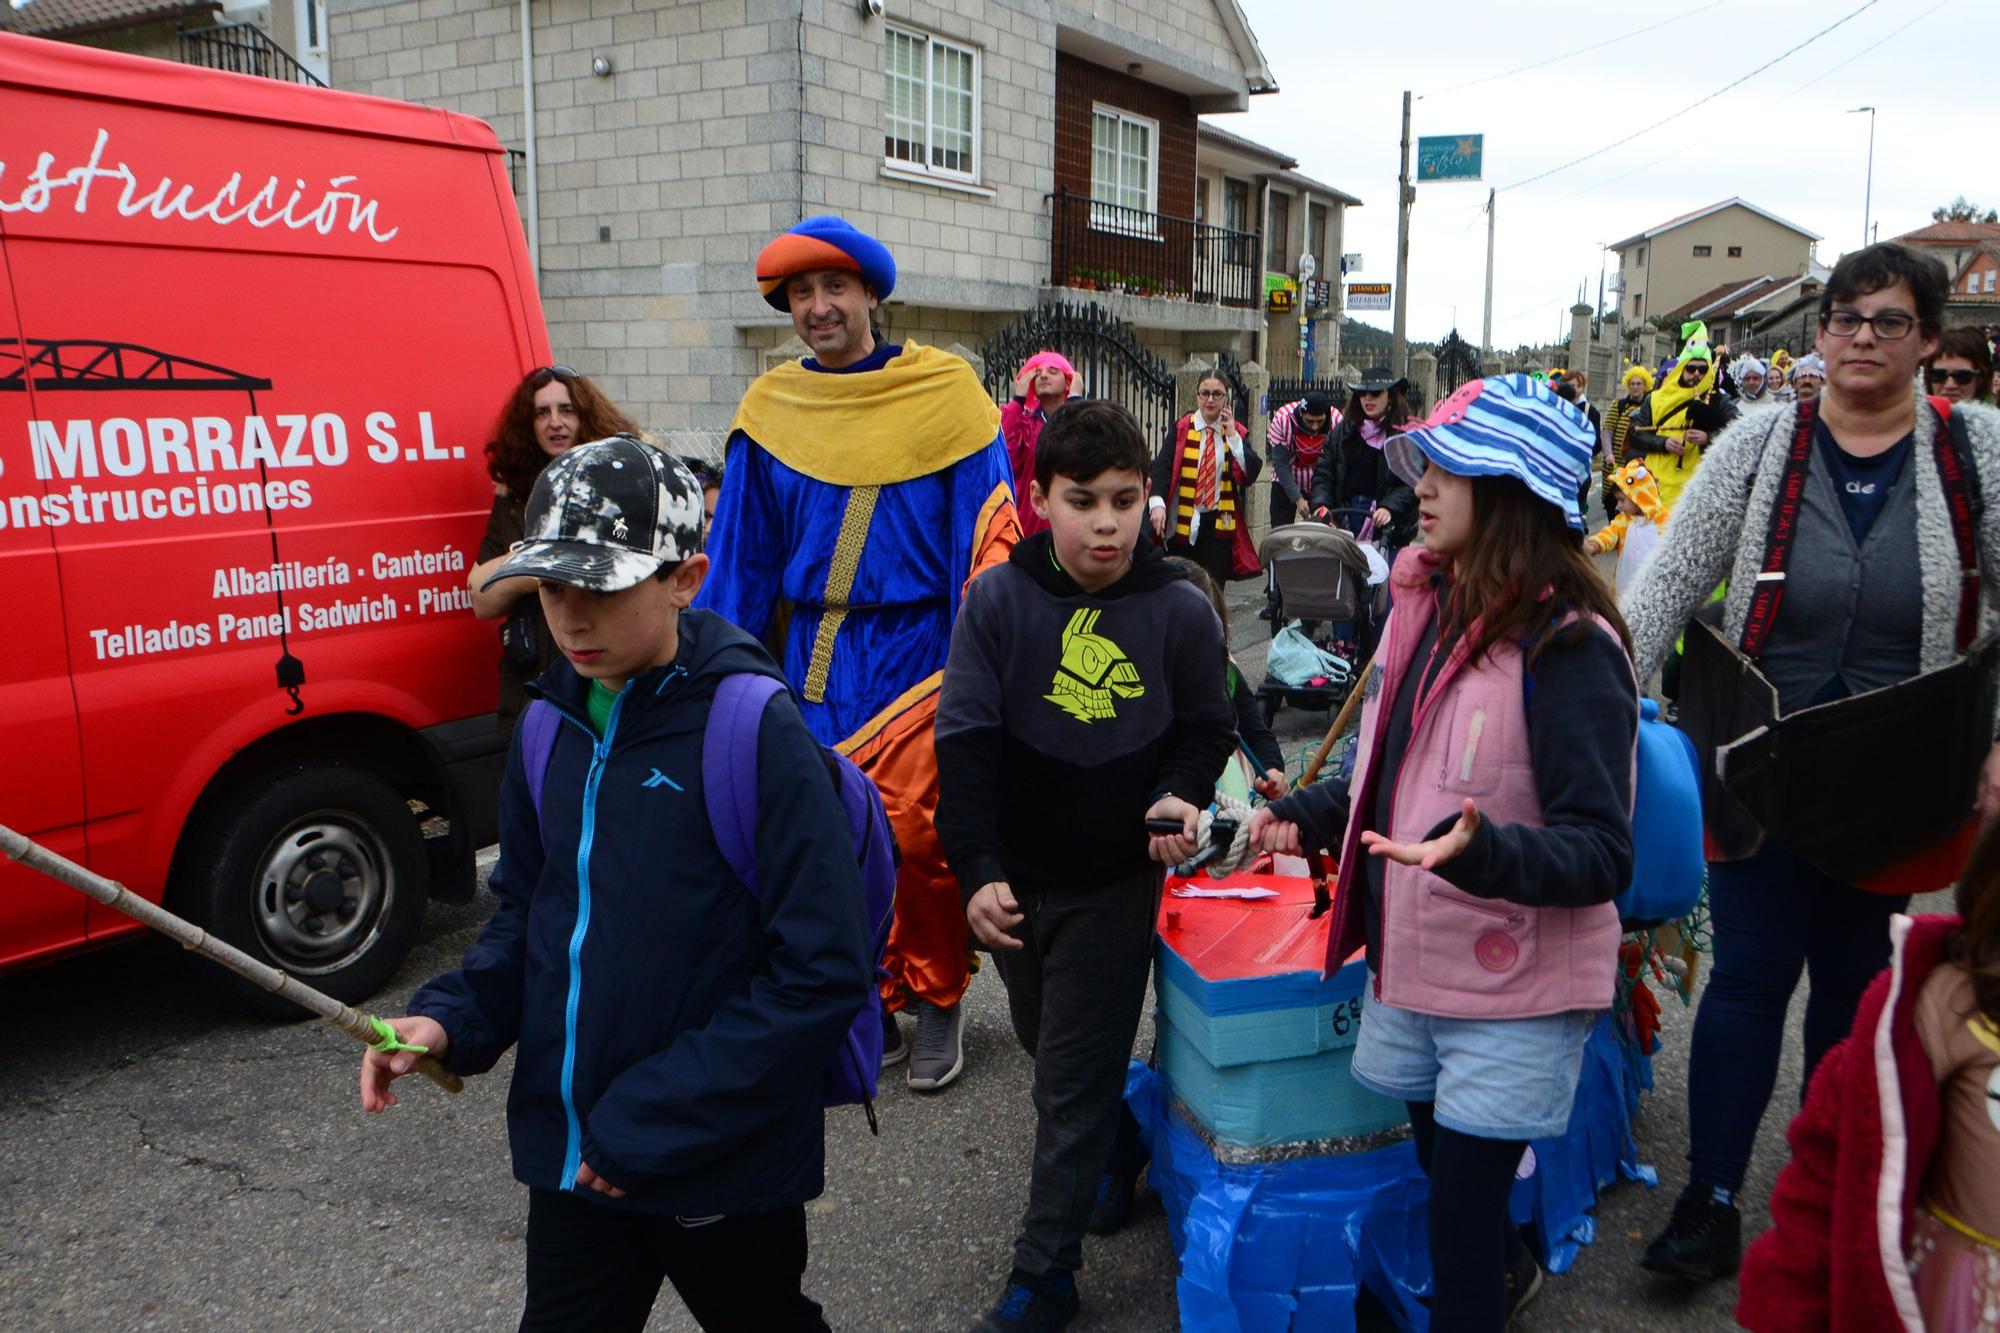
(1966, 506)
(1784, 526)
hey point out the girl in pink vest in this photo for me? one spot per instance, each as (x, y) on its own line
(1487, 827)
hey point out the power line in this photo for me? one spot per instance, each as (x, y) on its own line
(1873, 47)
(1581, 50)
(1696, 104)
(1868, 50)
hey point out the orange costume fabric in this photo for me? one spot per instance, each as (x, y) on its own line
(860, 505)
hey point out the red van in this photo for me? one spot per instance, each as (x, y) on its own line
(252, 339)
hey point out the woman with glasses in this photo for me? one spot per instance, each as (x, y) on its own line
(1201, 487)
(1962, 367)
(1857, 588)
(548, 411)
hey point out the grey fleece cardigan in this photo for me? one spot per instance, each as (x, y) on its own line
(1718, 529)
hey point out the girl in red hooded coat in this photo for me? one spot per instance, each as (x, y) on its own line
(1888, 1214)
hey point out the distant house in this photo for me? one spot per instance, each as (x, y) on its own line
(1250, 187)
(282, 39)
(1970, 252)
(1665, 268)
(1737, 313)
(1005, 150)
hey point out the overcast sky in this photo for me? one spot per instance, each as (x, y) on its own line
(1780, 140)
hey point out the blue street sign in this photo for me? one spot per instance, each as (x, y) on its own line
(1450, 157)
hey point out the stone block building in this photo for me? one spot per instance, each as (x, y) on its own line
(1001, 148)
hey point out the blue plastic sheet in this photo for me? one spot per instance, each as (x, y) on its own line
(1272, 1247)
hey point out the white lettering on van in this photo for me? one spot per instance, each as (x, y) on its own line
(328, 207)
(295, 441)
(382, 430)
(74, 454)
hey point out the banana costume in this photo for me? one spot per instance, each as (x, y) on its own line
(1666, 414)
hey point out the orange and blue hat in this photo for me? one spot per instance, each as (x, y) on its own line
(821, 242)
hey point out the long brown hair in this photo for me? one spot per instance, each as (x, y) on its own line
(1395, 412)
(515, 459)
(1975, 945)
(1523, 571)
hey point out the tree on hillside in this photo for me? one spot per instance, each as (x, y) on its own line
(1962, 210)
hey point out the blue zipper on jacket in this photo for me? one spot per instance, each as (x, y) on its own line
(600, 751)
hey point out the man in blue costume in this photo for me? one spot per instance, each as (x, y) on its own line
(863, 488)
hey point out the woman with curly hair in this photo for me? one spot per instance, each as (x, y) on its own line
(551, 409)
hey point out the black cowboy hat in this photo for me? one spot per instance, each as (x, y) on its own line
(1376, 379)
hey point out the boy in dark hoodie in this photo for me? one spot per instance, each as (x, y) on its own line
(1083, 697)
(672, 1028)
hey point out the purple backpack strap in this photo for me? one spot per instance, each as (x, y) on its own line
(538, 744)
(729, 768)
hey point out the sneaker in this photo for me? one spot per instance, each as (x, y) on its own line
(1524, 1281)
(938, 1056)
(894, 1049)
(1113, 1208)
(1032, 1305)
(1702, 1242)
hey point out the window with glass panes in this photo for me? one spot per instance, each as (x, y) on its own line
(931, 105)
(1122, 168)
(1278, 257)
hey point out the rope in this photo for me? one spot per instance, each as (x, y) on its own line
(1230, 808)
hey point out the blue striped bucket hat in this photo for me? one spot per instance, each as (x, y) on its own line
(1503, 426)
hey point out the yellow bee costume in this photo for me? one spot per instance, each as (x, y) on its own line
(1633, 536)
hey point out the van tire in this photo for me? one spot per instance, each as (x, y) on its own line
(319, 871)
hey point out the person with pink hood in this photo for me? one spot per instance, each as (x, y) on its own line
(1044, 382)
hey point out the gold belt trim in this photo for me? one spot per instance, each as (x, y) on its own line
(1971, 1233)
(840, 572)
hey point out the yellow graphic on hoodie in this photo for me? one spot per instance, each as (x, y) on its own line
(1094, 672)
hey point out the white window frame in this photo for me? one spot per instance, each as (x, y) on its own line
(1109, 221)
(931, 43)
(1989, 280)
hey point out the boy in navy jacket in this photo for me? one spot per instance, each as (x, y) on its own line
(673, 1029)
(1083, 697)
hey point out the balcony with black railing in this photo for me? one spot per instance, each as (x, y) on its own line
(243, 48)
(1096, 246)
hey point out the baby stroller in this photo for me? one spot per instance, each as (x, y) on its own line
(1319, 578)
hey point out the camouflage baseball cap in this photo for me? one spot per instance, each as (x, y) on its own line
(606, 515)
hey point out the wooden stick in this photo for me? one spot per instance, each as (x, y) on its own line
(356, 1024)
(1311, 775)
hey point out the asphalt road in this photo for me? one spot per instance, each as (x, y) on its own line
(166, 1164)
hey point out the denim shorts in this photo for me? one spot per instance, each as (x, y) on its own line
(1492, 1078)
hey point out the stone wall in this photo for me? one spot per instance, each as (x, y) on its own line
(723, 122)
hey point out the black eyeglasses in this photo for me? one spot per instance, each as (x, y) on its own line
(1889, 325)
(1211, 393)
(1938, 375)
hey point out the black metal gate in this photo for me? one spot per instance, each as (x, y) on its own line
(1458, 361)
(1290, 388)
(1108, 358)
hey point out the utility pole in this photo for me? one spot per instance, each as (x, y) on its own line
(1307, 267)
(1398, 342)
(1868, 194)
(1486, 326)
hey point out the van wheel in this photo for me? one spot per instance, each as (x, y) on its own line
(318, 871)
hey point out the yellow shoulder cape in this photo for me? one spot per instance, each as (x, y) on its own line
(920, 413)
